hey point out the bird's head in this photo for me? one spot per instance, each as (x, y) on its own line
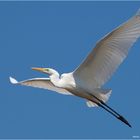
(48, 71)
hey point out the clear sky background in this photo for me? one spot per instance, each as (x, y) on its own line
(60, 35)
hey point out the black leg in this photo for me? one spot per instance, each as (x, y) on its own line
(110, 110)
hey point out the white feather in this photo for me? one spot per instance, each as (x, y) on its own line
(44, 83)
(108, 54)
(13, 81)
(91, 104)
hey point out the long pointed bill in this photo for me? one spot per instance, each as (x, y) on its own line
(38, 69)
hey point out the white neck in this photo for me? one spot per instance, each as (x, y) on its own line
(55, 79)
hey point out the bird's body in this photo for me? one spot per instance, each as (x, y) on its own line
(87, 80)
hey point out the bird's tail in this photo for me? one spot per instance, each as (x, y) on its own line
(102, 94)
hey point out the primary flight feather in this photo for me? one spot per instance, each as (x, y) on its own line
(87, 80)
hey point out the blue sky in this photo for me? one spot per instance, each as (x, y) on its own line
(59, 35)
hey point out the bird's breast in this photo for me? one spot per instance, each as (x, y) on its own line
(67, 81)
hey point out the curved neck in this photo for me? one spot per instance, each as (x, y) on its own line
(55, 79)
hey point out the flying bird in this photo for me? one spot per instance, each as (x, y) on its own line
(87, 79)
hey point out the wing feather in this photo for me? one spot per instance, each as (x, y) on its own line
(44, 83)
(108, 54)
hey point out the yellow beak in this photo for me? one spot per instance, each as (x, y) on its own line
(38, 69)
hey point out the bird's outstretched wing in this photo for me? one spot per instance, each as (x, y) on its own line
(44, 83)
(108, 54)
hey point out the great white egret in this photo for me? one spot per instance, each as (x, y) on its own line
(87, 80)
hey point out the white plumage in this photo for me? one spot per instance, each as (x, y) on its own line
(44, 83)
(108, 54)
(87, 80)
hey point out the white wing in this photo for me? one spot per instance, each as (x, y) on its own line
(108, 54)
(44, 83)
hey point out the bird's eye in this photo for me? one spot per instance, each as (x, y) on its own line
(47, 70)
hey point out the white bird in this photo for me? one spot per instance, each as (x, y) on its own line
(87, 80)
